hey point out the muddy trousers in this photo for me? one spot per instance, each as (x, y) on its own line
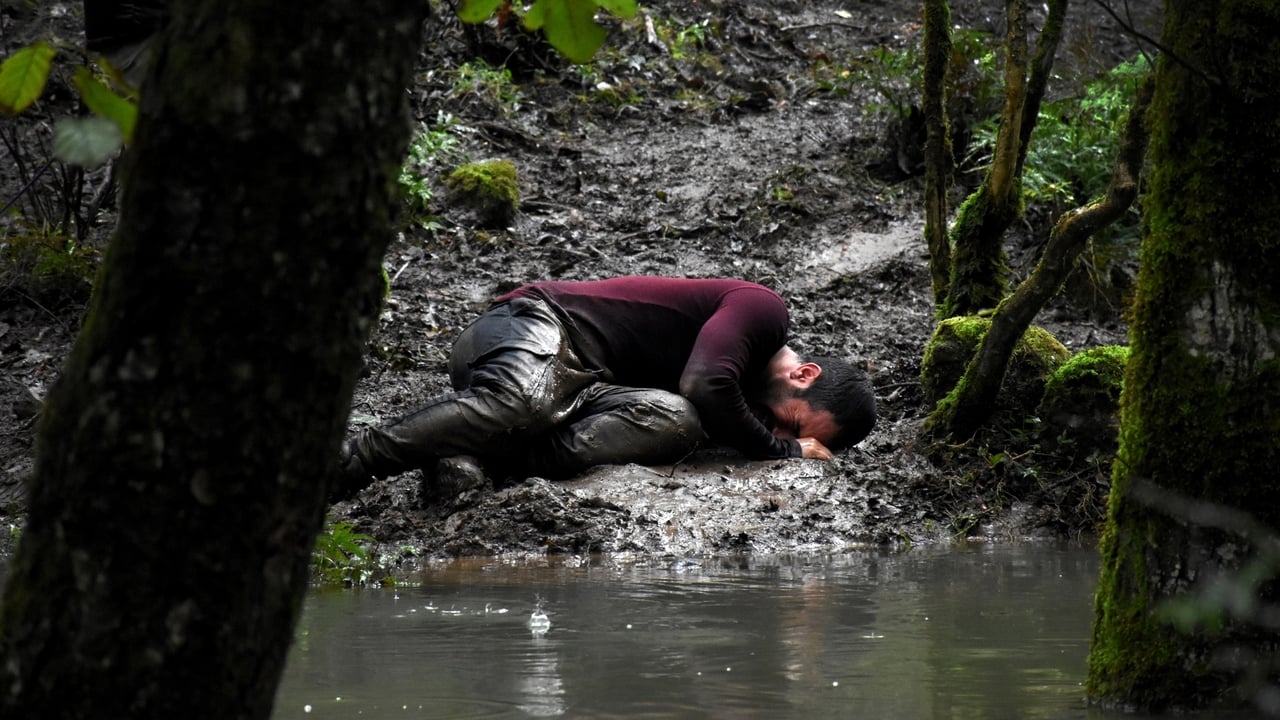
(525, 404)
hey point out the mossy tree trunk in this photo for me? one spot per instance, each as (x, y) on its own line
(961, 413)
(937, 146)
(184, 453)
(1201, 403)
(1038, 77)
(977, 276)
(977, 255)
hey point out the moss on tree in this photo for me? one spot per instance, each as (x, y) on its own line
(1081, 403)
(978, 268)
(1201, 403)
(950, 349)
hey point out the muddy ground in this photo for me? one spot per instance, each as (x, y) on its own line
(714, 138)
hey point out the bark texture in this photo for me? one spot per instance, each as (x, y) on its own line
(938, 160)
(1039, 74)
(977, 253)
(977, 278)
(206, 396)
(1201, 403)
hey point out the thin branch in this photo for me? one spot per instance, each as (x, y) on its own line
(1128, 27)
(26, 186)
(1203, 513)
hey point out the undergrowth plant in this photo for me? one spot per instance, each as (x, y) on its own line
(42, 263)
(85, 141)
(894, 74)
(1074, 144)
(493, 85)
(431, 145)
(683, 41)
(339, 557)
(1070, 156)
(45, 254)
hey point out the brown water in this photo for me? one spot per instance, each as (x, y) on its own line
(971, 632)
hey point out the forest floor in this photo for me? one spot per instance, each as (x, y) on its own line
(760, 140)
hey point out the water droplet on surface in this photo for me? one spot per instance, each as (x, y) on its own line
(539, 623)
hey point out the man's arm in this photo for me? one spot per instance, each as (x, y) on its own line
(739, 338)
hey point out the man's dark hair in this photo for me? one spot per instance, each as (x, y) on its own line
(845, 391)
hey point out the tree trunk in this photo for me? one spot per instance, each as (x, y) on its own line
(937, 146)
(977, 278)
(1041, 70)
(977, 255)
(184, 453)
(1201, 403)
(960, 415)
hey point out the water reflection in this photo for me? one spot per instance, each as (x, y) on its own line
(958, 633)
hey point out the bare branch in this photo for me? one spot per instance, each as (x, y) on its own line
(1127, 26)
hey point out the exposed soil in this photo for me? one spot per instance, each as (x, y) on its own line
(744, 154)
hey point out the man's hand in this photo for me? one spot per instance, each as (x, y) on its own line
(810, 448)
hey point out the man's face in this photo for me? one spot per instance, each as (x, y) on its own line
(795, 418)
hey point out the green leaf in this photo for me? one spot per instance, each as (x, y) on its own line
(477, 11)
(119, 83)
(23, 75)
(570, 27)
(621, 8)
(535, 17)
(87, 142)
(104, 102)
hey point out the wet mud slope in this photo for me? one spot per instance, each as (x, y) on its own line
(709, 139)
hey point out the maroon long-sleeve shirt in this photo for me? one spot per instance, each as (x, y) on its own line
(708, 339)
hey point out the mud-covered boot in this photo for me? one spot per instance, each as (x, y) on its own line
(352, 475)
(454, 480)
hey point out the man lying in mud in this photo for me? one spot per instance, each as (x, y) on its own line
(557, 377)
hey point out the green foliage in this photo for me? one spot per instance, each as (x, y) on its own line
(340, 559)
(23, 76)
(683, 42)
(1075, 141)
(431, 145)
(570, 25)
(48, 266)
(491, 84)
(896, 75)
(105, 103)
(490, 186)
(975, 85)
(1069, 164)
(85, 142)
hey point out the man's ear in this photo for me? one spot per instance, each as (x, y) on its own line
(806, 373)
